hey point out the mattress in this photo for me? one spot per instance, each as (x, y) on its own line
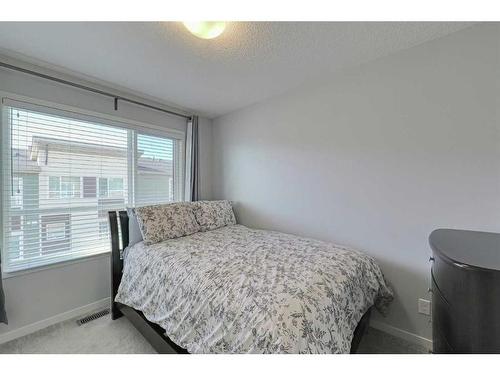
(242, 290)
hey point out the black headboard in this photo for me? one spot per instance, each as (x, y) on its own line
(116, 232)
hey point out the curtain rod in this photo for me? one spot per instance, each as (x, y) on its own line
(91, 89)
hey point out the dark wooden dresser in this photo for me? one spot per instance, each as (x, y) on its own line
(465, 291)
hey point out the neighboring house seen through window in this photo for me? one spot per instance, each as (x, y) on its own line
(63, 176)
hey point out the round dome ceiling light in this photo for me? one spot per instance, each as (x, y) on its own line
(206, 29)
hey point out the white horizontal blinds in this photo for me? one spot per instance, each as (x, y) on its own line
(61, 177)
(63, 171)
(155, 172)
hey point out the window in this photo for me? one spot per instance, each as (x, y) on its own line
(64, 187)
(63, 172)
(54, 187)
(111, 187)
(55, 231)
(15, 223)
(70, 187)
(115, 187)
(103, 225)
(103, 187)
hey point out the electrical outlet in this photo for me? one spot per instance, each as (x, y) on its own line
(424, 306)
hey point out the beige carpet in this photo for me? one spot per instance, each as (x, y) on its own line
(119, 336)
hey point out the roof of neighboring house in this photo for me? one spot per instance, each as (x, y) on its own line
(154, 166)
(61, 145)
(26, 161)
(22, 162)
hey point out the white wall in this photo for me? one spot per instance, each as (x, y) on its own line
(205, 148)
(376, 157)
(34, 299)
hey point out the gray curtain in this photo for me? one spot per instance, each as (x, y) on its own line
(3, 314)
(192, 191)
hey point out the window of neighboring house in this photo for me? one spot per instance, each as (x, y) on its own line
(62, 158)
(103, 187)
(54, 187)
(111, 187)
(70, 187)
(55, 233)
(115, 187)
(15, 223)
(16, 242)
(103, 228)
(64, 187)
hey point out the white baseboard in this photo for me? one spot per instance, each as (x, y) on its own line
(402, 334)
(71, 314)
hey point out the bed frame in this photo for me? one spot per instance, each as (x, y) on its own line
(152, 332)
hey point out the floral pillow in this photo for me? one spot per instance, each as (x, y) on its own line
(213, 214)
(166, 221)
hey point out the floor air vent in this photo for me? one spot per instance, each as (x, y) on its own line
(91, 317)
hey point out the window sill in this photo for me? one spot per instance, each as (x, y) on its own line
(65, 263)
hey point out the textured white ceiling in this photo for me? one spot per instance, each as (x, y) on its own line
(249, 62)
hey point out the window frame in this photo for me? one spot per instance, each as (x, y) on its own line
(47, 107)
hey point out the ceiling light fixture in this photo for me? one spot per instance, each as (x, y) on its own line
(206, 29)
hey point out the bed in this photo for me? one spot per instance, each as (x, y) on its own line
(240, 290)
